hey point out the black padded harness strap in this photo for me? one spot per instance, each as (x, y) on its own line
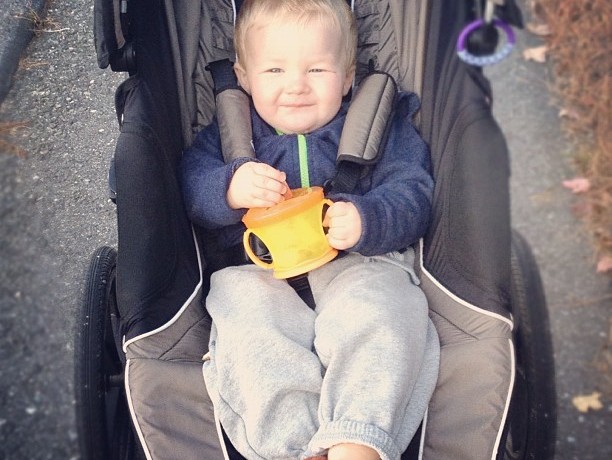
(302, 287)
(222, 73)
(365, 131)
(346, 178)
(367, 121)
(233, 112)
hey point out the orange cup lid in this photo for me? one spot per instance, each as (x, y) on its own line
(302, 198)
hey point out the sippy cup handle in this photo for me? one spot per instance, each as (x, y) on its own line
(326, 202)
(247, 247)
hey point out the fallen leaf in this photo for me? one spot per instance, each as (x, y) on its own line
(586, 402)
(605, 264)
(540, 29)
(537, 54)
(577, 184)
(568, 113)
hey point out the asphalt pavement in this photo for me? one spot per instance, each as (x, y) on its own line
(54, 212)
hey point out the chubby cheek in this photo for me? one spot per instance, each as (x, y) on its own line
(263, 106)
(265, 94)
(333, 94)
(266, 109)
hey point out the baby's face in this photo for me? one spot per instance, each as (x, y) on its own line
(295, 73)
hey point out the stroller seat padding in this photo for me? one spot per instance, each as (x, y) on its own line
(171, 409)
(476, 377)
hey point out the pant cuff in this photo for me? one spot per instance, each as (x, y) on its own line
(338, 432)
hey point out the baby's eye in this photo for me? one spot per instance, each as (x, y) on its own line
(317, 70)
(274, 70)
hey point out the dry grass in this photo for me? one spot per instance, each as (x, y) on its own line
(580, 46)
(7, 130)
(27, 63)
(41, 22)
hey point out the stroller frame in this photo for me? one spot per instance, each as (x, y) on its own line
(143, 330)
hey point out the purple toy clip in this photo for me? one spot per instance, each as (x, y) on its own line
(494, 58)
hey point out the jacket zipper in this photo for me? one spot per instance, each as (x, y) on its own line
(303, 157)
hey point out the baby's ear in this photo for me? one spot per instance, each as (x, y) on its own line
(348, 81)
(242, 77)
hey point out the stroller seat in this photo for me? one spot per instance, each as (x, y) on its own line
(139, 358)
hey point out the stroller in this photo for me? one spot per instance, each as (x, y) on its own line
(143, 329)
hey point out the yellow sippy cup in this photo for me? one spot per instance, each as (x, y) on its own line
(293, 233)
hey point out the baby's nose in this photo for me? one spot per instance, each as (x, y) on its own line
(296, 83)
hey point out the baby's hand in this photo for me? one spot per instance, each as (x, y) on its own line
(257, 185)
(344, 224)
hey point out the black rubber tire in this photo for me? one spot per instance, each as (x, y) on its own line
(531, 427)
(103, 420)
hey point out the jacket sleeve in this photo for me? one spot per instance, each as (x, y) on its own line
(205, 178)
(395, 209)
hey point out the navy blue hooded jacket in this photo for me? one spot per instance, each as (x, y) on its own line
(393, 199)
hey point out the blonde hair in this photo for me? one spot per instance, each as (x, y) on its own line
(334, 12)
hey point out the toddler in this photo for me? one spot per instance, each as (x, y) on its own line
(352, 378)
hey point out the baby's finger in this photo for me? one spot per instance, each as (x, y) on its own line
(272, 180)
(265, 170)
(338, 209)
(338, 239)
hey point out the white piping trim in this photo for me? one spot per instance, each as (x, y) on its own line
(220, 435)
(422, 442)
(234, 31)
(355, 73)
(456, 298)
(218, 426)
(234, 10)
(128, 394)
(181, 310)
(508, 398)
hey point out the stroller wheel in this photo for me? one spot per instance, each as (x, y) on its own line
(103, 419)
(531, 426)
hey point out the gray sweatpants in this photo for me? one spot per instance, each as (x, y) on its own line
(287, 382)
